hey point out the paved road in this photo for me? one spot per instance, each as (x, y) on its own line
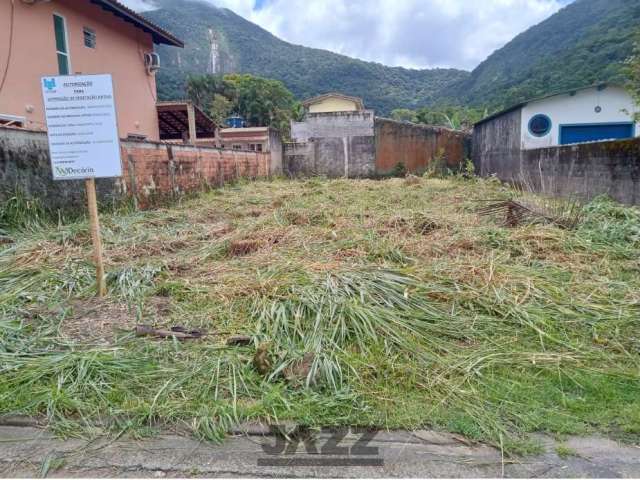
(29, 451)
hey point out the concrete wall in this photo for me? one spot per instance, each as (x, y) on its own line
(585, 170)
(119, 50)
(151, 170)
(357, 145)
(333, 125)
(495, 143)
(276, 150)
(417, 146)
(350, 157)
(299, 159)
(579, 108)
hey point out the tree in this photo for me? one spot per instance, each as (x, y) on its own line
(221, 108)
(454, 117)
(633, 74)
(265, 102)
(404, 115)
(201, 89)
(262, 102)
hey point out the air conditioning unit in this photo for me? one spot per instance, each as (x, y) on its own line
(152, 62)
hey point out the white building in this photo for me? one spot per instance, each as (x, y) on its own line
(590, 114)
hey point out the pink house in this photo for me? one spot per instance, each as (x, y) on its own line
(62, 37)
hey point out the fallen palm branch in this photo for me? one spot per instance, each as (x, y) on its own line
(517, 213)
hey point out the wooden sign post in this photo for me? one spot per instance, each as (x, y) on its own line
(83, 141)
(94, 222)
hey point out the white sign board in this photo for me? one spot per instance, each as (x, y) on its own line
(82, 127)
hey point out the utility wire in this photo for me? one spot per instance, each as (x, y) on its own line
(6, 68)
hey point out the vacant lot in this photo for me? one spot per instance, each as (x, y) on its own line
(372, 303)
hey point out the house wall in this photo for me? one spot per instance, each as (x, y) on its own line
(244, 138)
(270, 140)
(579, 108)
(417, 146)
(333, 125)
(496, 143)
(333, 104)
(151, 171)
(119, 51)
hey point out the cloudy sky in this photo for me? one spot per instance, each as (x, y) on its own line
(410, 33)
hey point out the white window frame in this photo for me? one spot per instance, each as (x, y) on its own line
(66, 41)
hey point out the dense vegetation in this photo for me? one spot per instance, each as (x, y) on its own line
(586, 42)
(633, 73)
(259, 101)
(451, 116)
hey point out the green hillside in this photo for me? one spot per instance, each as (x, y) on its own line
(584, 43)
(247, 48)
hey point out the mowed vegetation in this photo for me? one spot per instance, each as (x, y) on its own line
(372, 303)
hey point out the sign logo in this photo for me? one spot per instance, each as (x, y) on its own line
(74, 172)
(49, 84)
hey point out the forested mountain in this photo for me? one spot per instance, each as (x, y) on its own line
(246, 48)
(584, 43)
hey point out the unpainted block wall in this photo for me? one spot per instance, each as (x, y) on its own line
(150, 170)
(384, 144)
(333, 125)
(349, 157)
(299, 159)
(496, 143)
(417, 146)
(585, 170)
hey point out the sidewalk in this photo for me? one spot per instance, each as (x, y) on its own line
(29, 452)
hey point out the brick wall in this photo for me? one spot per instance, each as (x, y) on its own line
(151, 171)
(154, 170)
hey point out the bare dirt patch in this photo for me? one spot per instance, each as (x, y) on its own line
(97, 321)
(101, 321)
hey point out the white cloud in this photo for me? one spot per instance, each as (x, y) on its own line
(411, 33)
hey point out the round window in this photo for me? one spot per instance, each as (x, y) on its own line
(539, 125)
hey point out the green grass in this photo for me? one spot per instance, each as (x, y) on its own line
(409, 309)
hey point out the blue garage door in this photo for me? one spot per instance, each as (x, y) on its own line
(593, 133)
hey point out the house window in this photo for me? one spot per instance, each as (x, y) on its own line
(259, 147)
(237, 147)
(89, 37)
(539, 125)
(252, 147)
(62, 45)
